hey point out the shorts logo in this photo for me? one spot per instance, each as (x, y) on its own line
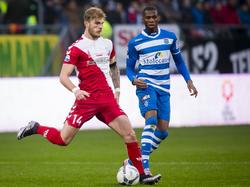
(145, 100)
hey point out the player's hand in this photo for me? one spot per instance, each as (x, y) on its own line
(140, 83)
(81, 94)
(193, 91)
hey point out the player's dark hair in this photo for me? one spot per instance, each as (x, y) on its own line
(149, 8)
(93, 13)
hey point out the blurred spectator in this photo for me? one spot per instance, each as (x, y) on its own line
(52, 12)
(112, 13)
(161, 10)
(17, 15)
(172, 12)
(3, 9)
(120, 9)
(201, 17)
(207, 15)
(244, 13)
(198, 13)
(73, 16)
(229, 13)
(215, 12)
(186, 11)
(133, 12)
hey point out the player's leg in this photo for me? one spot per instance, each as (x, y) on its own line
(115, 118)
(148, 107)
(147, 138)
(123, 127)
(160, 134)
(53, 135)
(75, 119)
(163, 116)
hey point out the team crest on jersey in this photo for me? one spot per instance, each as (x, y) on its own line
(67, 58)
(166, 40)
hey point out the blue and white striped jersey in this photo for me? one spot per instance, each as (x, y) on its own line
(152, 52)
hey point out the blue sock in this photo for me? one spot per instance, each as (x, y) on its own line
(146, 140)
(158, 137)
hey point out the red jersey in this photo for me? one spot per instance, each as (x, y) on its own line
(92, 59)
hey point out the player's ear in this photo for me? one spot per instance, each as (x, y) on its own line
(86, 23)
(158, 18)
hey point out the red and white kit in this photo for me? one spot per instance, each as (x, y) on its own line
(91, 59)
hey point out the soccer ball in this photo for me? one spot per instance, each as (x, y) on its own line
(128, 175)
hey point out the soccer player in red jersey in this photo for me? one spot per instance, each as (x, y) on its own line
(91, 56)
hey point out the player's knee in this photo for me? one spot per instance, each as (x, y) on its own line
(152, 120)
(150, 124)
(130, 137)
(66, 141)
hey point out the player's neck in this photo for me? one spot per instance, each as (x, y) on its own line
(153, 31)
(89, 36)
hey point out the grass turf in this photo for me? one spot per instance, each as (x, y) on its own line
(196, 156)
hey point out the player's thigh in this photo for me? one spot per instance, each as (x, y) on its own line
(109, 111)
(147, 100)
(80, 113)
(122, 126)
(68, 132)
(163, 112)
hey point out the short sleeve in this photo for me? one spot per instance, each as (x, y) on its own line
(175, 46)
(71, 56)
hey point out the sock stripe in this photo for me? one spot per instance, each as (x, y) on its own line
(146, 140)
(145, 157)
(150, 127)
(156, 138)
(151, 134)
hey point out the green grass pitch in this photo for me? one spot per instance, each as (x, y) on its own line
(195, 156)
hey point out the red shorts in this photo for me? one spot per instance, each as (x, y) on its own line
(103, 106)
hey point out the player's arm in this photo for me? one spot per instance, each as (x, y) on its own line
(182, 68)
(115, 75)
(132, 57)
(65, 74)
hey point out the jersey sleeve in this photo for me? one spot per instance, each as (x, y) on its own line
(71, 56)
(175, 46)
(112, 54)
(178, 59)
(132, 57)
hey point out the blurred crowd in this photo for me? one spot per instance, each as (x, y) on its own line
(16, 13)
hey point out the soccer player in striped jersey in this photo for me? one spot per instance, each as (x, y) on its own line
(152, 49)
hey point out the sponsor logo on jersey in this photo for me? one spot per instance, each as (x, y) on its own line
(158, 58)
(91, 62)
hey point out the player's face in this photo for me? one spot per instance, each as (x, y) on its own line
(151, 19)
(95, 27)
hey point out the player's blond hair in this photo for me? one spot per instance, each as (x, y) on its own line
(93, 13)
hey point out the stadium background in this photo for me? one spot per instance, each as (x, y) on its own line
(214, 37)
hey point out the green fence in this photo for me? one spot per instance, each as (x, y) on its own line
(22, 55)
